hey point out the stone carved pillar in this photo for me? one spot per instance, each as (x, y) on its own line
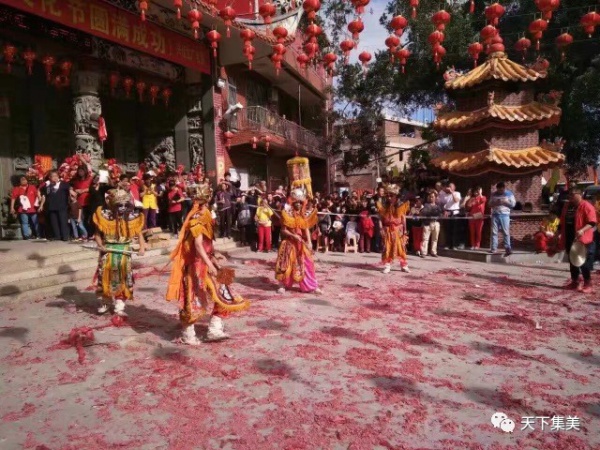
(86, 102)
(195, 125)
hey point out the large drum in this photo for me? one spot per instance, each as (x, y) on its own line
(299, 174)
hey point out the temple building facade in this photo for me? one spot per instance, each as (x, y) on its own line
(96, 77)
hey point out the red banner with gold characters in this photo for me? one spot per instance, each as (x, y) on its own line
(116, 25)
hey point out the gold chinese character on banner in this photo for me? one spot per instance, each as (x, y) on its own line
(76, 7)
(120, 27)
(99, 19)
(139, 36)
(157, 42)
(50, 7)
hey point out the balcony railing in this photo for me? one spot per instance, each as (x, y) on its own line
(262, 120)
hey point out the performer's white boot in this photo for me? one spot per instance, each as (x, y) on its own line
(189, 335)
(405, 269)
(120, 308)
(215, 330)
(103, 307)
(281, 290)
(387, 268)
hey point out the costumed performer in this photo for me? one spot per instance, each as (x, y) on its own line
(394, 232)
(117, 224)
(196, 279)
(295, 257)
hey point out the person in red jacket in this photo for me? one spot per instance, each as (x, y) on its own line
(475, 209)
(24, 201)
(578, 223)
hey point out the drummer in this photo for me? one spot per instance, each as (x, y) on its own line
(578, 223)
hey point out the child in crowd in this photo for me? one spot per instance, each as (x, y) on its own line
(366, 228)
(545, 239)
(263, 220)
(352, 230)
(76, 218)
(337, 233)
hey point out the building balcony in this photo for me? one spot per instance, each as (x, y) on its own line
(256, 121)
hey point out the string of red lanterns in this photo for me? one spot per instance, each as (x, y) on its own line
(228, 15)
(522, 45)
(356, 27)
(547, 7)
(403, 54)
(563, 41)
(248, 36)
(195, 17)
(398, 24)
(267, 11)
(475, 50)
(214, 37)
(493, 13)
(536, 29)
(392, 43)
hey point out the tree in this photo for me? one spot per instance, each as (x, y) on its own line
(578, 76)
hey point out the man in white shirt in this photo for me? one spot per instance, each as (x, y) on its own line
(449, 201)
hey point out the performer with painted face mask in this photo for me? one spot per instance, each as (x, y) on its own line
(117, 224)
(197, 280)
(394, 232)
(295, 257)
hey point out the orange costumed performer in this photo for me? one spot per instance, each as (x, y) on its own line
(295, 257)
(394, 232)
(197, 280)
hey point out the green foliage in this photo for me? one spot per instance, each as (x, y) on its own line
(422, 84)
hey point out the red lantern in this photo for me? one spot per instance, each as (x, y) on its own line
(276, 58)
(398, 24)
(311, 7)
(267, 11)
(154, 90)
(280, 33)
(279, 49)
(471, 7)
(65, 68)
(249, 51)
(488, 33)
(438, 54)
(392, 42)
(313, 30)
(247, 35)
(29, 57)
(347, 46)
(311, 48)
(254, 142)
(113, 82)
(195, 17)
(178, 4)
(589, 22)
(364, 58)
(413, 5)
(140, 86)
(440, 19)
(329, 60)
(474, 50)
(9, 55)
(497, 45)
(562, 42)
(166, 95)
(127, 85)
(267, 141)
(228, 135)
(143, 9)
(493, 13)
(436, 38)
(214, 37)
(228, 15)
(402, 56)
(547, 7)
(356, 27)
(359, 5)
(537, 28)
(48, 63)
(522, 45)
(303, 60)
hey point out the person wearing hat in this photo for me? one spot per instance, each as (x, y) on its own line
(577, 226)
(116, 225)
(295, 257)
(393, 218)
(196, 279)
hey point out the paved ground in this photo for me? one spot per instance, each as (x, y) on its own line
(415, 361)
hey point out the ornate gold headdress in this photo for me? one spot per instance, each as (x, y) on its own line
(298, 195)
(202, 192)
(116, 197)
(392, 189)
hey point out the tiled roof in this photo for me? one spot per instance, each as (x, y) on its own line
(532, 112)
(496, 67)
(499, 160)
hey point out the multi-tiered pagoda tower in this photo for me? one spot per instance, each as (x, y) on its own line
(494, 128)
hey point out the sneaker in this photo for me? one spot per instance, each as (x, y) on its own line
(387, 269)
(508, 252)
(491, 251)
(317, 291)
(586, 288)
(572, 285)
(281, 290)
(405, 269)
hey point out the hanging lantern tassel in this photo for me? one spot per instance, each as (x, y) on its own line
(166, 95)
(254, 142)
(29, 57)
(127, 85)
(154, 90)
(48, 63)
(143, 9)
(562, 42)
(413, 5)
(9, 56)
